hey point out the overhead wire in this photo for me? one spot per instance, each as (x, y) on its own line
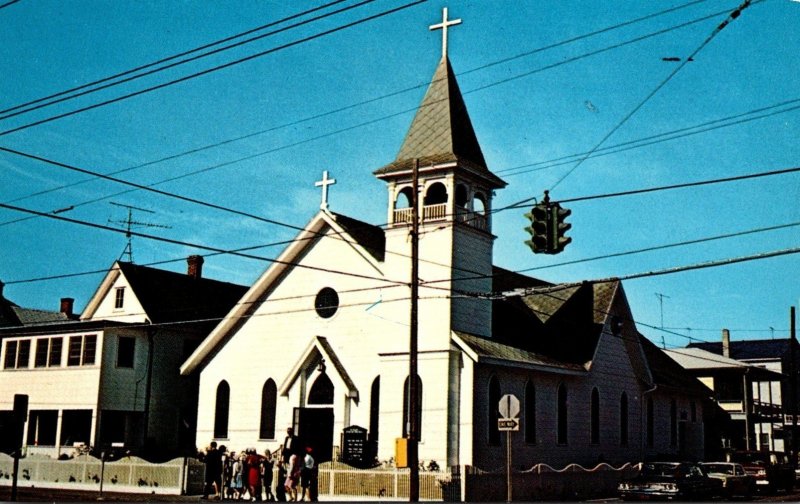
(212, 69)
(346, 129)
(165, 60)
(735, 14)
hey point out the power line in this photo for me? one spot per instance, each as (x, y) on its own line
(663, 83)
(164, 60)
(7, 4)
(655, 139)
(335, 132)
(212, 69)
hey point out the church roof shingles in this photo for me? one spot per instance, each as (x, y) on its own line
(442, 131)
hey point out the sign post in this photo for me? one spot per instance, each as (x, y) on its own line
(509, 411)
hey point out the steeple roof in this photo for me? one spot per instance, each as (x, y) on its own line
(442, 131)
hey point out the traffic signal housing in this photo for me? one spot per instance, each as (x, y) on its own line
(558, 228)
(539, 229)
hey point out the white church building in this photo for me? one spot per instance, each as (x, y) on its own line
(320, 342)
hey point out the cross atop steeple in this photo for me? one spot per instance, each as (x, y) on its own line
(324, 183)
(443, 26)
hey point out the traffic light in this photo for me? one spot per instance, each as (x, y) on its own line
(558, 228)
(540, 229)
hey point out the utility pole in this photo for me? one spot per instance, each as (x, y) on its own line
(793, 383)
(130, 223)
(413, 390)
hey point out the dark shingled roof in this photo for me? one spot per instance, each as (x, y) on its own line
(167, 296)
(562, 324)
(749, 349)
(372, 238)
(28, 316)
(442, 131)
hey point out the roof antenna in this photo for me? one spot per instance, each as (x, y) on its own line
(129, 223)
(771, 332)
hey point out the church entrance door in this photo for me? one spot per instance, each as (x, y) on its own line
(314, 427)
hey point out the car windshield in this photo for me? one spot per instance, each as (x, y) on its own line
(719, 468)
(750, 458)
(658, 469)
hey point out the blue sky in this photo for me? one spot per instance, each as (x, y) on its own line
(528, 107)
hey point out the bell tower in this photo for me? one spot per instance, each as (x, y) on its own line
(455, 201)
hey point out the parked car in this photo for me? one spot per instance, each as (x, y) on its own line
(670, 480)
(771, 470)
(735, 481)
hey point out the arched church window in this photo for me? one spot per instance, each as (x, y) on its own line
(479, 203)
(221, 410)
(326, 303)
(530, 412)
(462, 197)
(322, 391)
(595, 416)
(406, 387)
(374, 408)
(436, 194)
(493, 411)
(269, 398)
(561, 414)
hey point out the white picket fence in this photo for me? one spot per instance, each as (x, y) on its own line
(130, 474)
(336, 481)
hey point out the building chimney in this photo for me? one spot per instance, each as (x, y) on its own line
(726, 343)
(66, 306)
(195, 266)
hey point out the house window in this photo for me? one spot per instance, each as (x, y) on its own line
(406, 417)
(493, 411)
(40, 355)
(595, 414)
(561, 434)
(623, 420)
(125, 352)
(18, 354)
(11, 355)
(221, 410)
(530, 413)
(81, 351)
(269, 398)
(56, 345)
(119, 298)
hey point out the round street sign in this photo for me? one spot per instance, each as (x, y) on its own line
(509, 406)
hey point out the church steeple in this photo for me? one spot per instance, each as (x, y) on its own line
(442, 132)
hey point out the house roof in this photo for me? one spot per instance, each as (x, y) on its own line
(699, 360)
(66, 326)
(745, 350)
(8, 315)
(442, 131)
(669, 374)
(28, 316)
(167, 296)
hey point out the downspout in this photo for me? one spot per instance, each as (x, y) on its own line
(148, 386)
(642, 425)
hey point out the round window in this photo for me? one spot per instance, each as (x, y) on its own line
(326, 303)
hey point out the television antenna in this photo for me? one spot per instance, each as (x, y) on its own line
(130, 223)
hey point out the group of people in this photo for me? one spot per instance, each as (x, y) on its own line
(249, 476)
